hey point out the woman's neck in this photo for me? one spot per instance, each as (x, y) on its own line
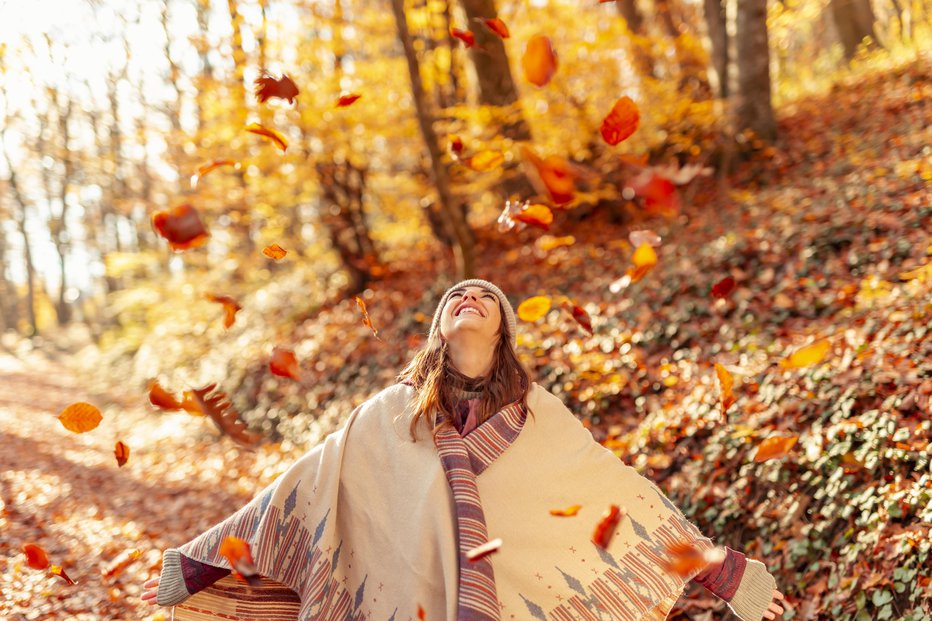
(470, 361)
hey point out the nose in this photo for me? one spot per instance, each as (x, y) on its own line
(469, 294)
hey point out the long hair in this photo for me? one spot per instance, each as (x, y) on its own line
(437, 382)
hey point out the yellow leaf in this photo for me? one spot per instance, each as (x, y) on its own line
(80, 417)
(773, 448)
(644, 256)
(485, 160)
(807, 356)
(534, 308)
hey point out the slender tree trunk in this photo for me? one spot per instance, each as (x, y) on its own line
(643, 60)
(854, 20)
(716, 23)
(692, 70)
(9, 300)
(58, 223)
(755, 109)
(20, 217)
(240, 111)
(173, 110)
(463, 249)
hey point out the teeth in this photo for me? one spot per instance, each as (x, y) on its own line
(469, 309)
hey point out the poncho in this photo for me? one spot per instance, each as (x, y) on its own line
(373, 525)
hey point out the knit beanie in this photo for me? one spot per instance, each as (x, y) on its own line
(508, 313)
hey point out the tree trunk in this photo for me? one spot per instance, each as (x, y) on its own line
(643, 60)
(9, 300)
(20, 217)
(754, 109)
(464, 248)
(854, 20)
(58, 223)
(716, 23)
(692, 70)
(242, 223)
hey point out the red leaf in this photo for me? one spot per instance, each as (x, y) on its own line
(347, 100)
(723, 287)
(480, 552)
(555, 173)
(161, 398)
(420, 613)
(539, 61)
(580, 315)
(236, 552)
(605, 529)
(230, 308)
(456, 144)
(465, 36)
(658, 192)
(621, 121)
(285, 364)
(268, 87)
(36, 556)
(121, 451)
(181, 226)
(498, 27)
(274, 135)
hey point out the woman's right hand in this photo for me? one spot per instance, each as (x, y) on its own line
(151, 590)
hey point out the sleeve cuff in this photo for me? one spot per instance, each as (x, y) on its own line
(171, 583)
(755, 592)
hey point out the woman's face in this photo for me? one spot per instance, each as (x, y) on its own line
(471, 312)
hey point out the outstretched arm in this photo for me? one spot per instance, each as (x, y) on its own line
(745, 584)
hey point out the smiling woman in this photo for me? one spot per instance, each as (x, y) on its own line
(440, 499)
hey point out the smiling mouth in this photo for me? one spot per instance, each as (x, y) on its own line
(468, 310)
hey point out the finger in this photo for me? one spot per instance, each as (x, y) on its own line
(149, 595)
(777, 594)
(777, 608)
(768, 615)
(152, 582)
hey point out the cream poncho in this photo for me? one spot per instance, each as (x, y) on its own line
(371, 525)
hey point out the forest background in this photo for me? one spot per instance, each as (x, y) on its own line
(713, 216)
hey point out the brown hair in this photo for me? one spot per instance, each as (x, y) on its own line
(437, 382)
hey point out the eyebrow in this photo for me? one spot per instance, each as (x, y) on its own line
(463, 289)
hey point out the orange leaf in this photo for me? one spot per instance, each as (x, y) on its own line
(775, 447)
(808, 355)
(534, 308)
(568, 512)
(658, 192)
(465, 36)
(580, 315)
(121, 562)
(347, 100)
(548, 242)
(285, 364)
(190, 404)
(480, 552)
(498, 27)
(723, 287)
(209, 166)
(539, 60)
(725, 379)
(181, 226)
(365, 317)
(274, 252)
(121, 451)
(420, 613)
(605, 529)
(645, 236)
(621, 121)
(268, 87)
(687, 560)
(36, 556)
(230, 308)
(161, 398)
(275, 136)
(56, 570)
(644, 259)
(237, 553)
(485, 160)
(535, 215)
(555, 173)
(80, 417)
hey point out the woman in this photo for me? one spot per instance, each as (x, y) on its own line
(377, 522)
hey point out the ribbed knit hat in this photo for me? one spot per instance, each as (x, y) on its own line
(508, 313)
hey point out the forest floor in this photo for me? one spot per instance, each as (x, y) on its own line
(829, 224)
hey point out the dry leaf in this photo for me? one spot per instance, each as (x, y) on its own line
(480, 552)
(808, 355)
(275, 136)
(723, 287)
(621, 121)
(549, 242)
(209, 166)
(465, 36)
(644, 260)
(686, 560)
(579, 314)
(535, 215)
(36, 557)
(774, 448)
(267, 87)
(485, 160)
(534, 308)
(236, 552)
(498, 27)
(181, 226)
(605, 529)
(568, 512)
(120, 563)
(57, 570)
(284, 364)
(230, 308)
(556, 175)
(456, 145)
(216, 406)
(658, 192)
(539, 60)
(726, 381)
(274, 252)
(347, 100)
(121, 452)
(365, 316)
(161, 398)
(80, 417)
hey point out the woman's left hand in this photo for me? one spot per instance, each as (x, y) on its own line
(776, 609)
(152, 590)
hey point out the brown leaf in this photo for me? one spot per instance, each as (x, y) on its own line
(274, 135)
(726, 381)
(284, 364)
(723, 287)
(36, 557)
(121, 452)
(274, 252)
(268, 87)
(216, 406)
(181, 226)
(579, 314)
(774, 448)
(230, 308)
(80, 417)
(539, 60)
(365, 317)
(236, 552)
(621, 121)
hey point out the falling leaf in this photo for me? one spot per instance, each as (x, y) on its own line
(209, 166)
(480, 552)
(534, 308)
(658, 192)
(465, 36)
(347, 100)
(498, 27)
(181, 226)
(121, 451)
(723, 287)
(161, 398)
(644, 260)
(365, 316)
(726, 381)
(284, 363)
(456, 144)
(36, 556)
(275, 136)
(535, 215)
(80, 417)
(230, 308)
(605, 529)
(485, 160)
(686, 560)
(274, 252)
(621, 121)
(568, 512)
(808, 355)
(580, 315)
(420, 613)
(549, 242)
(555, 173)
(57, 570)
(120, 563)
(215, 405)
(645, 236)
(236, 552)
(268, 87)
(190, 404)
(774, 448)
(539, 60)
